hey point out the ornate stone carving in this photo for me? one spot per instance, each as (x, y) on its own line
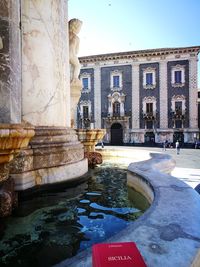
(94, 158)
(13, 137)
(75, 83)
(74, 29)
(90, 137)
(8, 198)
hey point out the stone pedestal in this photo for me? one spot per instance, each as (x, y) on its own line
(75, 88)
(55, 155)
(90, 137)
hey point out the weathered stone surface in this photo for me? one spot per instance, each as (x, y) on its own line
(13, 137)
(68, 172)
(8, 198)
(23, 162)
(50, 148)
(4, 171)
(94, 158)
(75, 93)
(45, 63)
(55, 146)
(10, 62)
(90, 137)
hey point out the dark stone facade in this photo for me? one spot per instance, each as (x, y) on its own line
(150, 92)
(172, 116)
(88, 96)
(184, 90)
(126, 71)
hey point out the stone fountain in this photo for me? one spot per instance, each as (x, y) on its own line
(89, 138)
(37, 144)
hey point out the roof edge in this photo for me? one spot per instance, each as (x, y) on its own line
(140, 53)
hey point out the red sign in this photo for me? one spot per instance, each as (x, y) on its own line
(124, 254)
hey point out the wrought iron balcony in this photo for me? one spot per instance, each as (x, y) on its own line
(178, 115)
(149, 116)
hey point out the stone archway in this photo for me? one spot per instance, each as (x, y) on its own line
(116, 134)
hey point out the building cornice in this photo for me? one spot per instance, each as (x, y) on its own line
(140, 53)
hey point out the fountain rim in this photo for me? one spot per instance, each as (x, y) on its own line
(165, 230)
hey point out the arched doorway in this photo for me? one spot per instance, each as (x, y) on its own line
(116, 134)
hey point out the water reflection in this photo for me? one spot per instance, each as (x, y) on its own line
(57, 225)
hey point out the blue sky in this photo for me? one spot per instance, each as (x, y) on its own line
(126, 25)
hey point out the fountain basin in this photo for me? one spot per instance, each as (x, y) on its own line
(168, 233)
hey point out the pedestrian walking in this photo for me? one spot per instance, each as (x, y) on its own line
(177, 147)
(102, 144)
(196, 144)
(164, 146)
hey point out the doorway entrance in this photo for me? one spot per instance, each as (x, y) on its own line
(116, 134)
(178, 136)
(149, 139)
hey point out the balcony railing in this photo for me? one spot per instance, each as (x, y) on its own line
(149, 116)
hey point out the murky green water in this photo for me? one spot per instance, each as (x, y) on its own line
(57, 225)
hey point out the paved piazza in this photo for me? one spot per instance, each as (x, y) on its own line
(187, 162)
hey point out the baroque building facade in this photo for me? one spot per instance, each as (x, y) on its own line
(141, 97)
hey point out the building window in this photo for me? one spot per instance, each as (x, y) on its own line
(149, 108)
(178, 107)
(178, 104)
(85, 83)
(85, 112)
(116, 109)
(149, 78)
(116, 80)
(178, 76)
